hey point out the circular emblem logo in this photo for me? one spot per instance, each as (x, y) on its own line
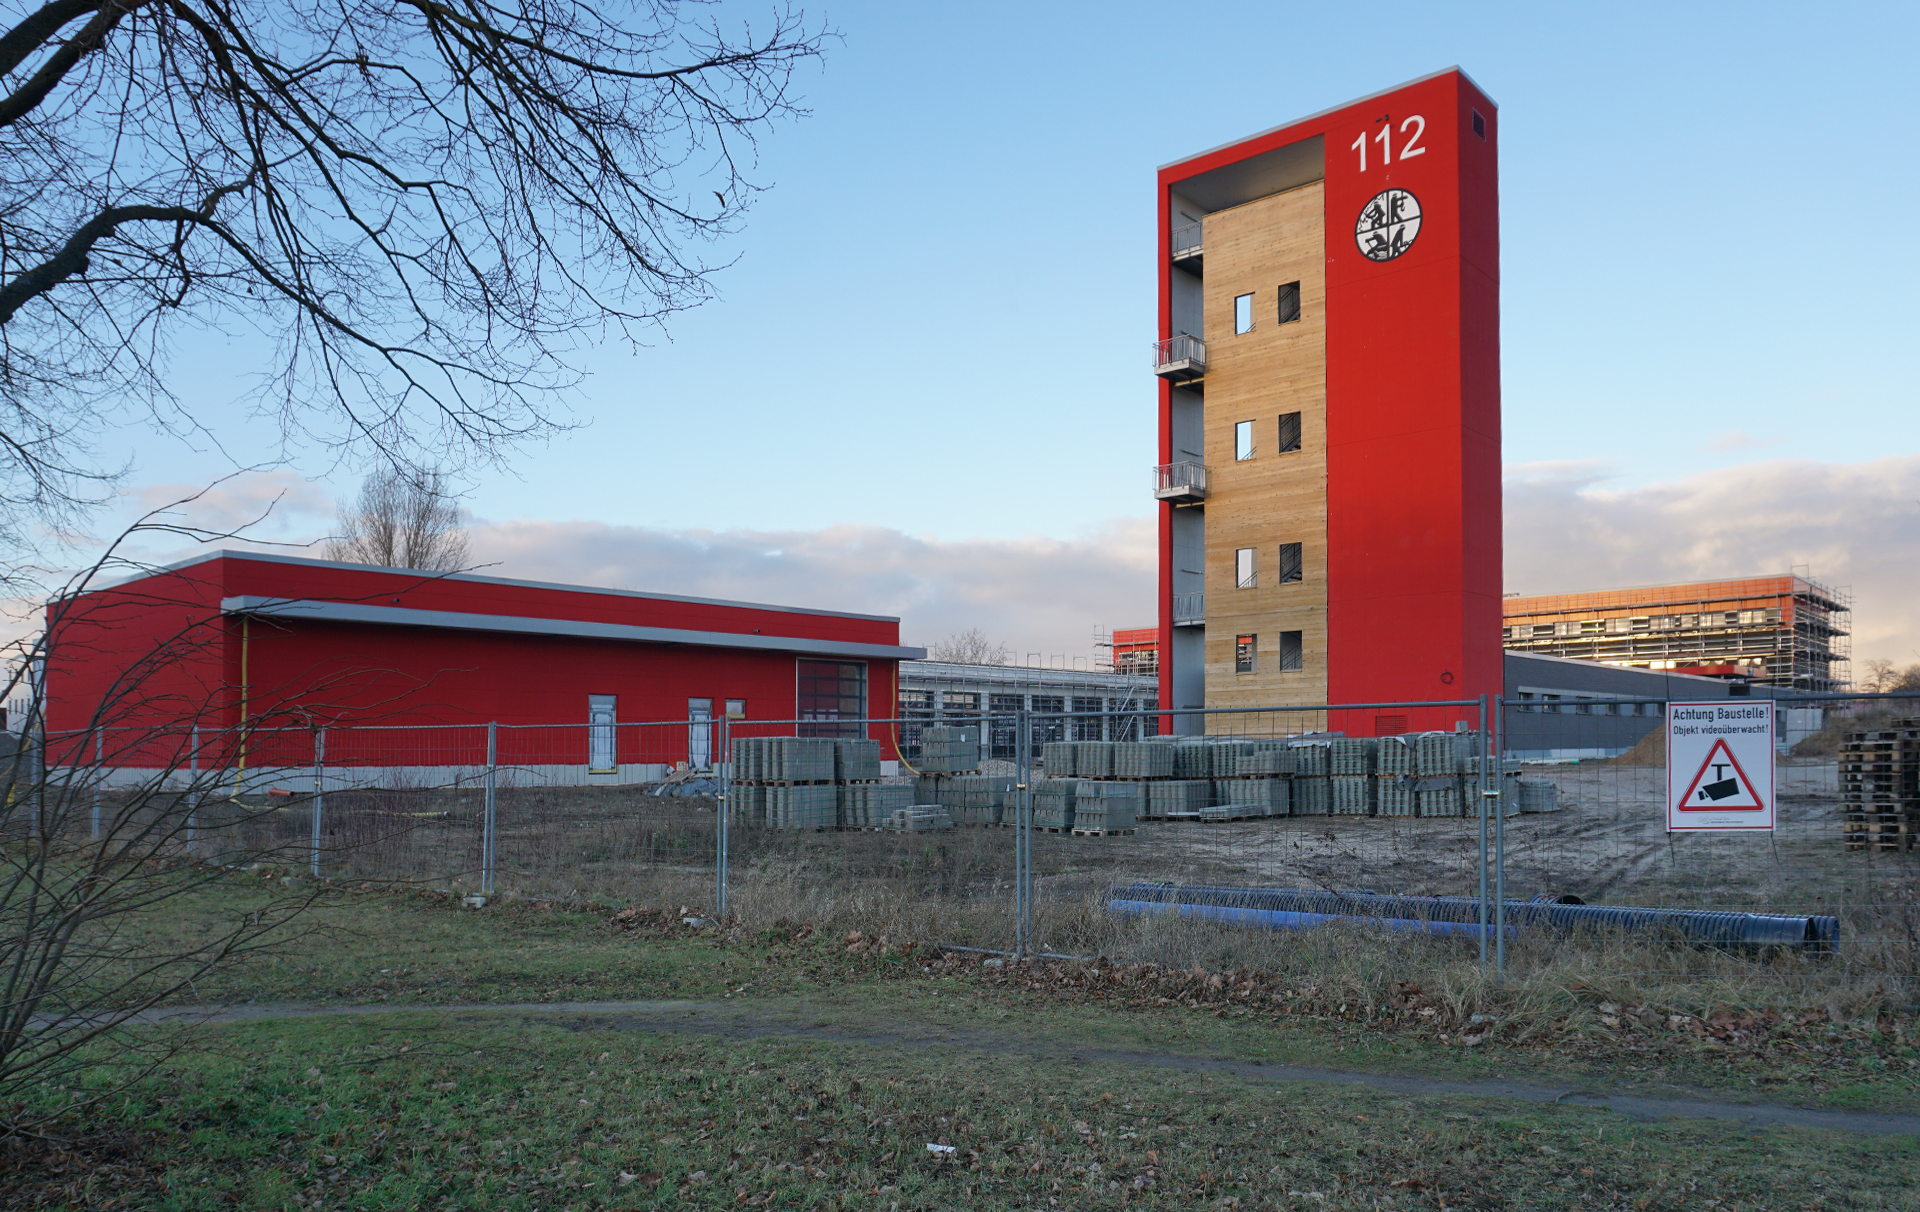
(1388, 224)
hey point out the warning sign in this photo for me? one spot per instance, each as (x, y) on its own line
(1720, 765)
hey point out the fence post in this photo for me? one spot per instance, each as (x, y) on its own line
(1499, 842)
(1023, 838)
(1482, 798)
(319, 795)
(489, 828)
(193, 787)
(99, 772)
(723, 768)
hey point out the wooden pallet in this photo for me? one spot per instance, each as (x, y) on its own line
(1103, 833)
(1880, 830)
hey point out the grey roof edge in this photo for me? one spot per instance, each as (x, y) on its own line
(1513, 654)
(476, 578)
(1330, 109)
(403, 616)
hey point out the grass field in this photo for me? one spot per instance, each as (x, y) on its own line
(811, 1069)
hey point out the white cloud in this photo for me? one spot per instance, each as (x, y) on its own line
(1035, 595)
(1854, 524)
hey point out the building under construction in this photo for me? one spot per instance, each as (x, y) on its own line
(1788, 631)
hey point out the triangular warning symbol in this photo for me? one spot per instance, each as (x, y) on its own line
(1721, 786)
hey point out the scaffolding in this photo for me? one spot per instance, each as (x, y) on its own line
(1789, 631)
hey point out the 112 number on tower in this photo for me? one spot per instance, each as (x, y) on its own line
(1409, 148)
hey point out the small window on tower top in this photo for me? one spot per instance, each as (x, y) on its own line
(1289, 302)
(1479, 124)
(1289, 432)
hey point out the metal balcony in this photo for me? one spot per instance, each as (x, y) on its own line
(1189, 610)
(1180, 358)
(1186, 248)
(1183, 483)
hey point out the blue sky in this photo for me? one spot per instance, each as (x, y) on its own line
(939, 318)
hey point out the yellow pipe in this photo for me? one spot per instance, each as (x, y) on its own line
(246, 634)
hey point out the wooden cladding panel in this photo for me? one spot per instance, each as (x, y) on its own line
(1271, 498)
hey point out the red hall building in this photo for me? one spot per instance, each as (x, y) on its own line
(278, 641)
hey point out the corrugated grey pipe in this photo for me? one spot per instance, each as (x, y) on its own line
(1301, 908)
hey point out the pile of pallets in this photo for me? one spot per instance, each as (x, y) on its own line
(1880, 787)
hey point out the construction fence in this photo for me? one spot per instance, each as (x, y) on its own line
(1440, 820)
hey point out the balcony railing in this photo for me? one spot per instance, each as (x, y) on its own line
(1189, 609)
(1183, 483)
(1186, 247)
(1180, 358)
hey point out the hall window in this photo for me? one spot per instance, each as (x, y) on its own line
(832, 698)
(1292, 568)
(1243, 653)
(1242, 440)
(1290, 655)
(1289, 302)
(1289, 432)
(1242, 313)
(1243, 575)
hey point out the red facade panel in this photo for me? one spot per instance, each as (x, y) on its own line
(159, 652)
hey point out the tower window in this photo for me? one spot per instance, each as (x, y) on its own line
(1242, 440)
(1289, 432)
(1243, 651)
(1243, 575)
(1479, 124)
(1292, 567)
(1242, 314)
(1289, 302)
(1290, 657)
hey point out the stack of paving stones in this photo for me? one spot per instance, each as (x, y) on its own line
(1093, 759)
(1312, 779)
(1396, 773)
(1177, 799)
(971, 799)
(786, 782)
(1441, 761)
(1880, 786)
(1054, 803)
(1104, 809)
(872, 805)
(1536, 796)
(949, 749)
(922, 818)
(1353, 760)
(1056, 758)
(1142, 760)
(856, 761)
(1255, 797)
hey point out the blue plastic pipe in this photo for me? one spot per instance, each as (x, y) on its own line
(1276, 919)
(1440, 914)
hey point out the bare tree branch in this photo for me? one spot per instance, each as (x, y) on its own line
(428, 208)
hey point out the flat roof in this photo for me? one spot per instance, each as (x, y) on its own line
(1324, 112)
(475, 578)
(402, 616)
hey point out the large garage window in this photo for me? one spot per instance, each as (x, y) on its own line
(833, 691)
